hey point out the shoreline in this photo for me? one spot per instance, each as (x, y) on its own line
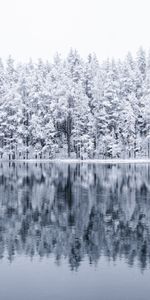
(74, 161)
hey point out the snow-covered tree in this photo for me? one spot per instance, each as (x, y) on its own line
(75, 108)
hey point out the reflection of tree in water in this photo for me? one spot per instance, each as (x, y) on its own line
(75, 210)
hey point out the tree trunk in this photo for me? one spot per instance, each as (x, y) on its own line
(148, 149)
(68, 143)
(69, 131)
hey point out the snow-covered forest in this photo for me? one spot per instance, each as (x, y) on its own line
(75, 211)
(75, 108)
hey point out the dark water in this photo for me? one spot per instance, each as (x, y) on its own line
(78, 231)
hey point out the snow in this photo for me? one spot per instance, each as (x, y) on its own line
(75, 108)
(92, 161)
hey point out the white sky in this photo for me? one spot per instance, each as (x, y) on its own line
(39, 28)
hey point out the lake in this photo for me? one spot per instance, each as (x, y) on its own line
(74, 231)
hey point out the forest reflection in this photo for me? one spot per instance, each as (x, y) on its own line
(75, 211)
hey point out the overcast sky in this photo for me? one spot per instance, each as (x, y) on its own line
(39, 28)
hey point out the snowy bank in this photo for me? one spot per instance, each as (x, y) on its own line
(92, 161)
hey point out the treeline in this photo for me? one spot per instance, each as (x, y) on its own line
(75, 108)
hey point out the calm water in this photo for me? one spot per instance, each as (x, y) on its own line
(78, 231)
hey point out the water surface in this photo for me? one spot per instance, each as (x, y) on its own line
(74, 231)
